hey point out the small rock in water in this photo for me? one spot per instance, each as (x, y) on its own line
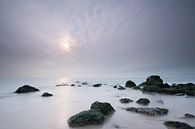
(46, 94)
(188, 116)
(89, 117)
(63, 84)
(114, 86)
(26, 89)
(84, 83)
(177, 125)
(143, 101)
(97, 85)
(72, 85)
(105, 108)
(149, 111)
(121, 88)
(125, 100)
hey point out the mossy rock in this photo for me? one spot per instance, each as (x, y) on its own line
(104, 108)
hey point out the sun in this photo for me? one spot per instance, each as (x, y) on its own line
(67, 46)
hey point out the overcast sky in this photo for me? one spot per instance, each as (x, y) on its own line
(106, 38)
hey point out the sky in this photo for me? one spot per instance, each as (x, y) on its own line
(97, 38)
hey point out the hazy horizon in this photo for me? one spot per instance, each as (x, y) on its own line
(72, 38)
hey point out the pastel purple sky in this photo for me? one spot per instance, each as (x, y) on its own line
(109, 38)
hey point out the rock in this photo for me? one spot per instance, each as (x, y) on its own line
(114, 86)
(84, 83)
(72, 85)
(177, 125)
(97, 85)
(149, 111)
(121, 88)
(154, 80)
(180, 94)
(89, 117)
(26, 89)
(46, 94)
(79, 85)
(105, 108)
(77, 81)
(125, 100)
(130, 84)
(136, 88)
(189, 116)
(63, 84)
(160, 101)
(143, 101)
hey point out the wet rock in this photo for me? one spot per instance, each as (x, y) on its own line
(105, 108)
(177, 125)
(130, 84)
(97, 85)
(154, 80)
(149, 111)
(143, 101)
(121, 88)
(189, 116)
(125, 100)
(26, 89)
(89, 117)
(46, 94)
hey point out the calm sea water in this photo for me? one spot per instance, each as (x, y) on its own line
(31, 111)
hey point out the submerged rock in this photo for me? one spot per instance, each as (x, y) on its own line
(125, 100)
(63, 84)
(136, 88)
(130, 84)
(105, 108)
(143, 101)
(97, 85)
(84, 83)
(46, 94)
(26, 89)
(149, 111)
(89, 117)
(177, 125)
(121, 88)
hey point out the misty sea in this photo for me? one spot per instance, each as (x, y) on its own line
(31, 111)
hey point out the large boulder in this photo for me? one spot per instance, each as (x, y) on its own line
(46, 94)
(26, 89)
(104, 108)
(149, 111)
(89, 117)
(154, 80)
(143, 101)
(130, 84)
(177, 125)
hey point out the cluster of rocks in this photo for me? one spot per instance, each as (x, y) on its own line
(28, 89)
(95, 115)
(155, 84)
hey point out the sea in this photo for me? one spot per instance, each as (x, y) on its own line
(31, 111)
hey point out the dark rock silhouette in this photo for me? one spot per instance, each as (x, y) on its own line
(26, 89)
